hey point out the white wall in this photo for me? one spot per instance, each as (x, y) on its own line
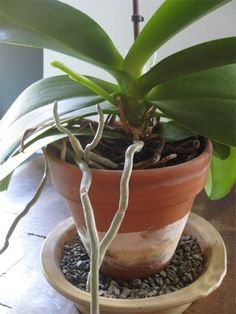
(115, 17)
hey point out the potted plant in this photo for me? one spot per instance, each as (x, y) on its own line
(163, 117)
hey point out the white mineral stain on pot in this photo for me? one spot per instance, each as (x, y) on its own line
(148, 246)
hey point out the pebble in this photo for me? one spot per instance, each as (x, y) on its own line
(163, 274)
(126, 292)
(114, 291)
(136, 283)
(186, 266)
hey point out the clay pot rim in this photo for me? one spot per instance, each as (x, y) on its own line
(204, 155)
(203, 286)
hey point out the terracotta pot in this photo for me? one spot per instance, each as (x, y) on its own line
(160, 201)
(173, 303)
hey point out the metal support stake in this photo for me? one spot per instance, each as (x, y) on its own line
(136, 18)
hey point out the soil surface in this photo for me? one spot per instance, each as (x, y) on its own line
(156, 153)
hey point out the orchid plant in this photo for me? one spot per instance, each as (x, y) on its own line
(193, 88)
(189, 93)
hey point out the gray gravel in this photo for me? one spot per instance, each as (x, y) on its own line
(186, 266)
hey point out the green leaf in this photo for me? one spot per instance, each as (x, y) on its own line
(171, 131)
(84, 80)
(197, 58)
(50, 89)
(60, 27)
(72, 109)
(169, 19)
(220, 150)
(5, 182)
(13, 162)
(222, 176)
(87, 132)
(42, 138)
(204, 102)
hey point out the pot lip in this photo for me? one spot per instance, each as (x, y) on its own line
(203, 286)
(205, 155)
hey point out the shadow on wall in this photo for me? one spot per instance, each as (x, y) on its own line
(19, 68)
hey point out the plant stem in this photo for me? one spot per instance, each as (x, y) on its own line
(88, 212)
(97, 251)
(124, 198)
(102, 160)
(97, 136)
(83, 80)
(93, 235)
(28, 206)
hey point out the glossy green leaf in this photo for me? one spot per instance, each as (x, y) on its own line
(57, 26)
(171, 131)
(44, 137)
(84, 80)
(169, 19)
(204, 102)
(71, 109)
(220, 150)
(222, 176)
(5, 182)
(197, 58)
(13, 162)
(87, 132)
(50, 89)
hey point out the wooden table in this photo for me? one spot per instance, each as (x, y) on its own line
(23, 289)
